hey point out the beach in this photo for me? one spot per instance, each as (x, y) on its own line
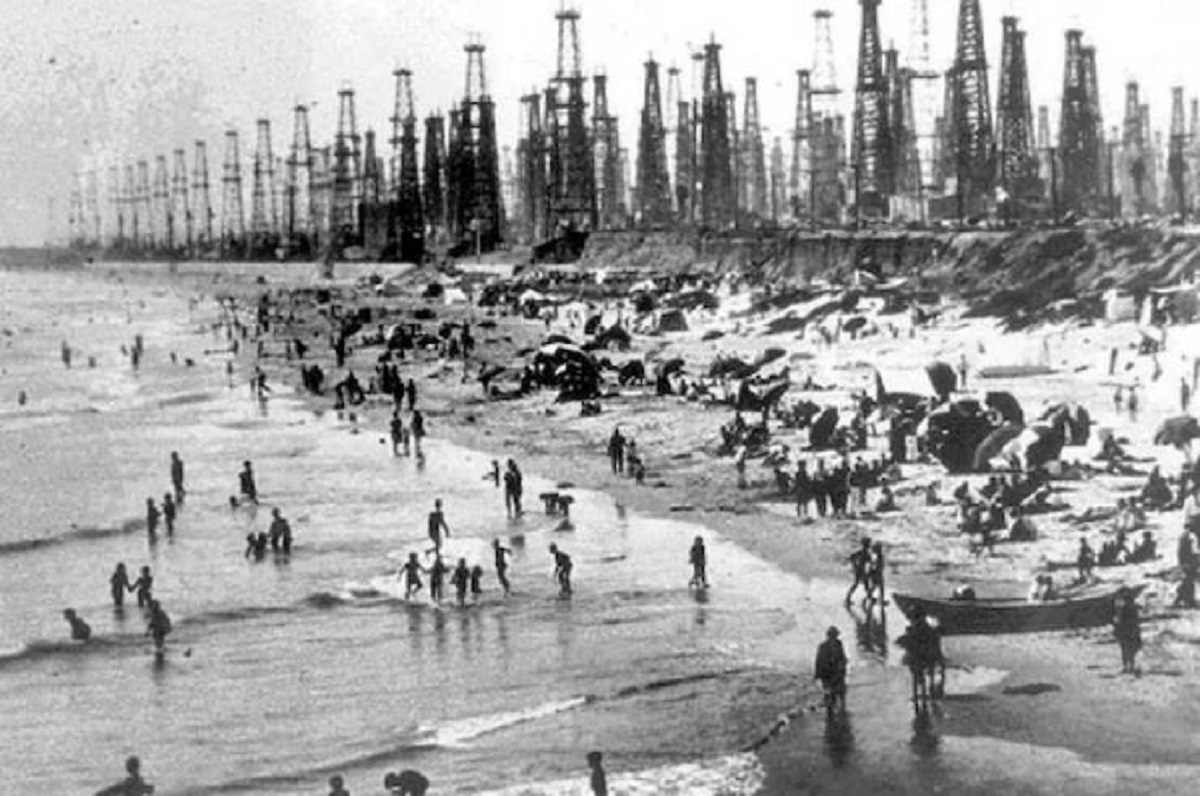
(286, 671)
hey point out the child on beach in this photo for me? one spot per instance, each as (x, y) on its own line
(80, 631)
(502, 564)
(119, 584)
(144, 586)
(562, 570)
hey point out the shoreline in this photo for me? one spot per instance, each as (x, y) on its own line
(686, 482)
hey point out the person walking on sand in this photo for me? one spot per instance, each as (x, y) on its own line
(177, 477)
(860, 565)
(698, 558)
(246, 485)
(132, 785)
(1127, 629)
(119, 584)
(412, 395)
(562, 570)
(500, 551)
(437, 527)
(418, 430)
(397, 432)
(830, 669)
(616, 451)
(1085, 561)
(168, 513)
(598, 779)
(875, 575)
(512, 489)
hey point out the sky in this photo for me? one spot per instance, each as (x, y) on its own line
(88, 83)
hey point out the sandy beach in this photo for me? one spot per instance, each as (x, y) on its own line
(1057, 696)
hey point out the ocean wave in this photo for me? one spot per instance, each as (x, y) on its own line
(671, 682)
(17, 546)
(32, 651)
(457, 732)
(723, 776)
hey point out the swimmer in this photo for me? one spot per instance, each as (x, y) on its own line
(281, 532)
(461, 578)
(132, 785)
(502, 564)
(80, 631)
(562, 570)
(246, 484)
(437, 579)
(168, 513)
(476, 585)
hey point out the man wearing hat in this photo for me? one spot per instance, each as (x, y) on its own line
(831, 669)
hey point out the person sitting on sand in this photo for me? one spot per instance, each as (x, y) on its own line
(406, 783)
(887, 500)
(1043, 589)
(1022, 528)
(80, 630)
(1156, 494)
(1185, 593)
(1146, 550)
(931, 495)
(337, 786)
(132, 785)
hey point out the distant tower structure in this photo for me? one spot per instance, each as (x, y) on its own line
(201, 198)
(475, 161)
(1047, 156)
(1193, 156)
(737, 168)
(872, 145)
(653, 179)
(1016, 157)
(324, 232)
(372, 176)
(756, 179)
(828, 126)
(606, 146)
(145, 207)
(777, 205)
(233, 224)
(129, 198)
(116, 208)
(685, 154)
(1176, 157)
(347, 172)
(1079, 144)
(434, 176)
(800, 178)
(531, 169)
(76, 225)
(971, 117)
(92, 214)
(409, 233)
(181, 209)
(161, 195)
(906, 158)
(1134, 150)
(263, 217)
(717, 195)
(572, 168)
(924, 86)
(299, 227)
(670, 111)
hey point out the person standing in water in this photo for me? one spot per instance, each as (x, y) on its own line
(119, 584)
(80, 631)
(397, 432)
(562, 570)
(144, 587)
(246, 485)
(698, 558)
(66, 355)
(177, 477)
(168, 513)
(500, 552)
(132, 785)
(438, 529)
(461, 578)
(158, 626)
(152, 516)
(476, 582)
(830, 669)
(418, 430)
(411, 571)
(437, 579)
(512, 489)
(280, 532)
(860, 564)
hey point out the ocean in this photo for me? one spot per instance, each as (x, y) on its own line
(282, 672)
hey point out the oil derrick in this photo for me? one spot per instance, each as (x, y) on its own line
(685, 162)
(653, 180)
(800, 179)
(324, 232)
(201, 198)
(1176, 163)
(145, 207)
(374, 215)
(737, 168)
(1133, 154)
(944, 167)
(906, 159)
(161, 199)
(262, 195)
(827, 129)
(1017, 161)
(434, 175)
(971, 116)
(347, 173)
(717, 194)
(1193, 155)
(777, 205)
(607, 151)
(76, 236)
(91, 209)
(670, 111)
(233, 224)
(116, 208)
(756, 178)
(572, 171)
(872, 145)
(1079, 146)
(129, 198)
(923, 84)
(531, 157)
(475, 162)
(298, 228)
(457, 175)
(181, 210)
(372, 178)
(409, 228)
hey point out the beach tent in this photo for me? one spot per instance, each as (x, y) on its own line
(1119, 306)
(1007, 405)
(942, 378)
(672, 321)
(1177, 432)
(993, 445)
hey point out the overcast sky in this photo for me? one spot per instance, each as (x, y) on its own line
(91, 82)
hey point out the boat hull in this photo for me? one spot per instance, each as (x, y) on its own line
(967, 617)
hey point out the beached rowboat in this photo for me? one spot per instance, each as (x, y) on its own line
(1009, 615)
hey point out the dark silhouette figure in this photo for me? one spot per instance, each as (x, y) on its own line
(177, 477)
(830, 669)
(132, 785)
(598, 780)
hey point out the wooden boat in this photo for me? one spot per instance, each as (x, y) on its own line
(1011, 615)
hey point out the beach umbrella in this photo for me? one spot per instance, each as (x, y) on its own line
(772, 396)
(1177, 432)
(1008, 407)
(993, 444)
(942, 378)
(669, 367)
